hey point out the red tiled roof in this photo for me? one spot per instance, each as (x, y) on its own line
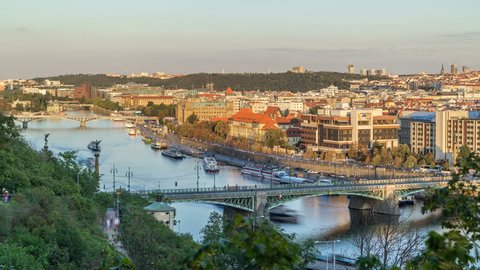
(271, 110)
(248, 116)
(229, 91)
(216, 119)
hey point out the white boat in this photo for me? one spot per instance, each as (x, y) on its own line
(132, 132)
(129, 125)
(210, 164)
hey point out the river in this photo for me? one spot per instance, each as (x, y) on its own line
(321, 217)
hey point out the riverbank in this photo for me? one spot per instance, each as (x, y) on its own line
(239, 157)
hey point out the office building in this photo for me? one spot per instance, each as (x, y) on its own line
(351, 69)
(135, 101)
(417, 130)
(204, 110)
(336, 130)
(441, 133)
(454, 69)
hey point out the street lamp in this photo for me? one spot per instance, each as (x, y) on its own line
(333, 250)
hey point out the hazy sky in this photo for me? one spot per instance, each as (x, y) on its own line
(51, 37)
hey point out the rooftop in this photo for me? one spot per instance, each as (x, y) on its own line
(159, 207)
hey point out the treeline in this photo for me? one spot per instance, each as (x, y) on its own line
(50, 222)
(161, 110)
(296, 82)
(38, 102)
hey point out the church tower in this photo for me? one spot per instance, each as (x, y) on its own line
(442, 72)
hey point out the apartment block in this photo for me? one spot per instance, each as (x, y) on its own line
(418, 131)
(336, 130)
(441, 133)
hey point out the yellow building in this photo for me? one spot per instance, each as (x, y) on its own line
(134, 101)
(250, 125)
(204, 110)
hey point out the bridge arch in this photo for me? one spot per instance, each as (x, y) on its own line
(275, 201)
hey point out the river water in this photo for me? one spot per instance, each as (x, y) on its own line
(321, 217)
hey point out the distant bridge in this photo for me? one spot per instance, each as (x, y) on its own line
(368, 194)
(83, 119)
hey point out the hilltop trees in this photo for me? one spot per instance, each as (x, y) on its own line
(240, 81)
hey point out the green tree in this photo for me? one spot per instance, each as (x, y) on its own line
(192, 118)
(222, 129)
(368, 263)
(213, 231)
(248, 245)
(274, 137)
(463, 153)
(410, 162)
(8, 130)
(458, 248)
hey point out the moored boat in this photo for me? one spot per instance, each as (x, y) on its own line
(173, 154)
(210, 164)
(132, 132)
(146, 140)
(129, 125)
(159, 145)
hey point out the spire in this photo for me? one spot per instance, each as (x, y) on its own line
(442, 72)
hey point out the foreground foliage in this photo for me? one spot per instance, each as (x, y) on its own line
(48, 223)
(242, 244)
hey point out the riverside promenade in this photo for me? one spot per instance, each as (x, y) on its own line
(239, 157)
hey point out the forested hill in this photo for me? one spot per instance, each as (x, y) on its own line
(238, 81)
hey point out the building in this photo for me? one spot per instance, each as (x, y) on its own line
(441, 133)
(381, 72)
(363, 72)
(417, 130)
(336, 130)
(82, 91)
(351, 69)
(138, 100)
(299, 69)
(371, 72)
(162, 212)
(54, 107)
(204, 110)
(454, 69)
(466, 69)
(455, 129)
(250, 125)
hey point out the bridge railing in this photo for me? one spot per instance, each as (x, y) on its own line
(341, 183)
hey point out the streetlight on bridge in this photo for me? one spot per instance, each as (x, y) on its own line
(333, 250)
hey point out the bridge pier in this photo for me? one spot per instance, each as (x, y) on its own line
(25, 124)
(389, 206)
(260, 206)
(83, 123)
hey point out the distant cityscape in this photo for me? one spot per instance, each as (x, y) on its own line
(431, 113)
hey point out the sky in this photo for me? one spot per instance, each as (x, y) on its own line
(52, 37)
